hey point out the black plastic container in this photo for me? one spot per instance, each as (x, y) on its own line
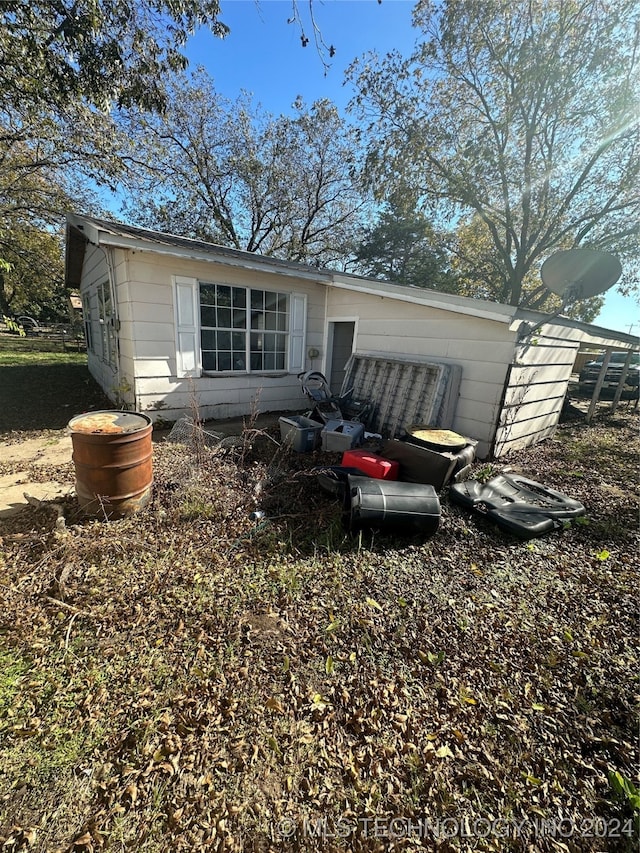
(521, 506)
(421, 464)
(393, 506)
(334, 479)
(464, 458)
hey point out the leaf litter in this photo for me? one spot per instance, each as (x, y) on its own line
(191, 677)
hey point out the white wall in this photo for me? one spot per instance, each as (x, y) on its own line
(147, 332)
(538, 379)
(94, 273)
(482, 347)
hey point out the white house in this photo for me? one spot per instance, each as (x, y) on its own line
(170, 320)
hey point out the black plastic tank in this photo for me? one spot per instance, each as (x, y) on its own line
(393, 506)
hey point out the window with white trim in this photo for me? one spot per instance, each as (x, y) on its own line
(243, 329)
(88, 328)
(222, 328)
(106, 321)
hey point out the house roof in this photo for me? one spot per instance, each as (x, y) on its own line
(86, 229)
(423, 296)
(100, 232)
(82, 230)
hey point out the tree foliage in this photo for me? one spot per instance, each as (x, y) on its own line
(32, 280)
(67, 67)
(63, 65)
(41, 176)
(102, 52)
(230, 173)
(522, 112)
(477, 270)
(403, 247)
(30, 200)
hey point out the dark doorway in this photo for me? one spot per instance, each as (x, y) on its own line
(341, 349)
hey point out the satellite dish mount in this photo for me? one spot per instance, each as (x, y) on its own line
(575, 274)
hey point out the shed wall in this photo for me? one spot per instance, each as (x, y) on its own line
(536, 387)
(148, 324)
(484, 349)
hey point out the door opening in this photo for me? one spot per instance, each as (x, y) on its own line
(341, 335)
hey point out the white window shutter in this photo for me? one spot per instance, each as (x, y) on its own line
(187, 344)
(297, 332)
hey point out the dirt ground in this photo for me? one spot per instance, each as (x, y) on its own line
(37, 401)
(34, 453)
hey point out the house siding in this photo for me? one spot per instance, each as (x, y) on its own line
(96, 272)
(148, 324)
(537, 384)
(511, 390)
(483, 348)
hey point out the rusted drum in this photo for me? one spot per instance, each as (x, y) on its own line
(112, 455)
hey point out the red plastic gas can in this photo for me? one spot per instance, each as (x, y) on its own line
(371, 464)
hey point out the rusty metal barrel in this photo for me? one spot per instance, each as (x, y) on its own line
(112, 455)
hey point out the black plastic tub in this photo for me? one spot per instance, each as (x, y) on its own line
(334, 479)
(391, 505)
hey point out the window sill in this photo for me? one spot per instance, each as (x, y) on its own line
(228, 374)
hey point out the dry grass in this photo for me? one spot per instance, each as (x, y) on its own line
(194, 679)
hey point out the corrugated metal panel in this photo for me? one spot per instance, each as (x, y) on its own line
(403, 391)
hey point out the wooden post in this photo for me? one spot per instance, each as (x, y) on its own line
(599, 384)
(623, 376)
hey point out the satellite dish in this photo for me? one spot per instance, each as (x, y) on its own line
(577, 274)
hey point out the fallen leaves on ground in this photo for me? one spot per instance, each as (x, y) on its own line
(198, 678)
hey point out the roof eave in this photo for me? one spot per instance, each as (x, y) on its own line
(589, 333)
(105, 234)
(217, 255)
(497, 312)
(75, 247)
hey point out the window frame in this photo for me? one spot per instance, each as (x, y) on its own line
(88, 323)
(254, 329)
(106, 323)
(187, 331)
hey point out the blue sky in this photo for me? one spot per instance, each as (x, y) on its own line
(263, 55)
